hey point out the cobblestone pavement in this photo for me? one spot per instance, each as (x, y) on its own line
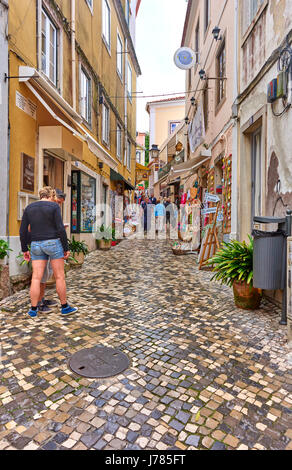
(203, 374)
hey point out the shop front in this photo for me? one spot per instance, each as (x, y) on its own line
(85, 188)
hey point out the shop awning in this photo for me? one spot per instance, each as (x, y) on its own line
(117, 177)
(142, 168)
(193, 163)
(38, 84)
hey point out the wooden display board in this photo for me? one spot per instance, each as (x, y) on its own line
(210, 243)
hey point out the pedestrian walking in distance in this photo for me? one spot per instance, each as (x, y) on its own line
(48, 243)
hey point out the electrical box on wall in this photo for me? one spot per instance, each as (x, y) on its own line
(272, 91)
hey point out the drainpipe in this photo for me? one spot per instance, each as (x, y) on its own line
(73, 35)
(126, 103)
(235, 153)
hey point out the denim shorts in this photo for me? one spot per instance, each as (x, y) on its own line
(46, 250)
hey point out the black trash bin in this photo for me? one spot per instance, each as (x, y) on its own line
(269, 259)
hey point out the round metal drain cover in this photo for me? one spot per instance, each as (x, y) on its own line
(99, 362)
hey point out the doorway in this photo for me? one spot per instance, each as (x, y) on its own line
(256, 177)
(53, 172)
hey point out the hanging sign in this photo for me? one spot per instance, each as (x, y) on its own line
(210, 210)
(211, 198)
(26, 105)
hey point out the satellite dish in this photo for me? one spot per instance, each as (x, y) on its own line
(185, 58)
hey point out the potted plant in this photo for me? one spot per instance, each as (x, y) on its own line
(104, 238)
(233, 265)
(78, 250)
(114, 241)
(23, 262)
(4, 249)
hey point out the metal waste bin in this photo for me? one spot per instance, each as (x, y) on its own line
(269, 257)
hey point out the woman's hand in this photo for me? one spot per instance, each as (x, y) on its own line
(66, 255)
(26, 256)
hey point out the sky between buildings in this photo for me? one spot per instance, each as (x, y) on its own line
(159, 32)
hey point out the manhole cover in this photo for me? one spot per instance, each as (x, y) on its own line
(99, 362)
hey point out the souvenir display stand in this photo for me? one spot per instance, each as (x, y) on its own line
(210, 243)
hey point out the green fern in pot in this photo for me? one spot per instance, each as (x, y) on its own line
(233, 266)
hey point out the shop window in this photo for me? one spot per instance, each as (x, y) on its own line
(49, 48)
(83, 202)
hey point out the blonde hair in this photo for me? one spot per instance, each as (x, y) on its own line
(47, 193)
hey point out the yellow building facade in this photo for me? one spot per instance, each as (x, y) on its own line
(72, 78)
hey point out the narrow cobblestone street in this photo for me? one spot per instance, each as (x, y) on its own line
(203, 374)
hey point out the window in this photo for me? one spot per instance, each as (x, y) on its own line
(90, 4)
(221, 72)
(106, 23)
(138, 156)
(119, 141)
(197, 42)
(207, 14)
(172, 126)
(127, 12)
(49, 48)
(119, 56)
(129, 81)
(206, 106)
(129, 155)
(105, 123)
(85, 96)
(250, 9)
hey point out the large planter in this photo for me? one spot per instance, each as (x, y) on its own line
(79, 257)
(104, 244)
(245, 296)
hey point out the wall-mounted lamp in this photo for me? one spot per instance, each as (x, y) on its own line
(100, 165)
(216, 32)
(203, 75)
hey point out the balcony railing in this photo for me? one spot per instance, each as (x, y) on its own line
(179, 158)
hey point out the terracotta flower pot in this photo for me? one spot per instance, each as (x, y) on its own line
(104, 244)
(79, 258)
(245, 296)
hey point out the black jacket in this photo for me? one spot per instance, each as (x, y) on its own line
(45, 221)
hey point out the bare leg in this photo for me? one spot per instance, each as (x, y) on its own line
(42, 294)
(38, 268)
(59, 273)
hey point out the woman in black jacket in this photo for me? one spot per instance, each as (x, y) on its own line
(48, 242)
